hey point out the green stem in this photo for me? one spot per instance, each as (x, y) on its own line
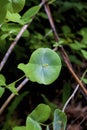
(16, 80)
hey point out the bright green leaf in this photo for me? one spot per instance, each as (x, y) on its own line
(19, 128)
(60, 120)
(44, 66)
(32, 125)
(14, 17)
(2, 91)
(12, 88)
(41, 113)
(84, 53)
(16, 6)
(2, 80)
(29, 14)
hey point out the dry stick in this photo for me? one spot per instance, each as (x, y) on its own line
(63, 52)
(13, 95)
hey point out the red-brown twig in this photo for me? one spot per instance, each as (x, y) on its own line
(62, 50)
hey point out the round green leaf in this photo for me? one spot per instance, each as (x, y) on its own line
(44, 66)
(16, 6)
(41, 113)
(60, 120)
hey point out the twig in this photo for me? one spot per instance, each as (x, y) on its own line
(73, 94)
(12, 46)
(63, 52)
(13, 95)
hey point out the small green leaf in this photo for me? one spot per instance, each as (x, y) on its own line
(83, 32)
(2, 80)
(19, 128)
(60, 120)
(13, 28)
(32, 125)
(84, 80)
(14, 17)
(2, 91)
(41, 113)
(4, 36)
(84, 53)
(12, 88)
(16, 6)
(44, 66)
(29, 14)
(77, 45)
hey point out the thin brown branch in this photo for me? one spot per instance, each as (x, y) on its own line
(13, 95)
(62, 50)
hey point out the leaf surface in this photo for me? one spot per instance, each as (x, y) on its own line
(43, 67)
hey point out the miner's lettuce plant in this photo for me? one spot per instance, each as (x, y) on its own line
(41, 114)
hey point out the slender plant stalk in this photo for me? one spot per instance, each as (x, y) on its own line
(13, 95)
(62, 50)
(70, 98)
(74, 92)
